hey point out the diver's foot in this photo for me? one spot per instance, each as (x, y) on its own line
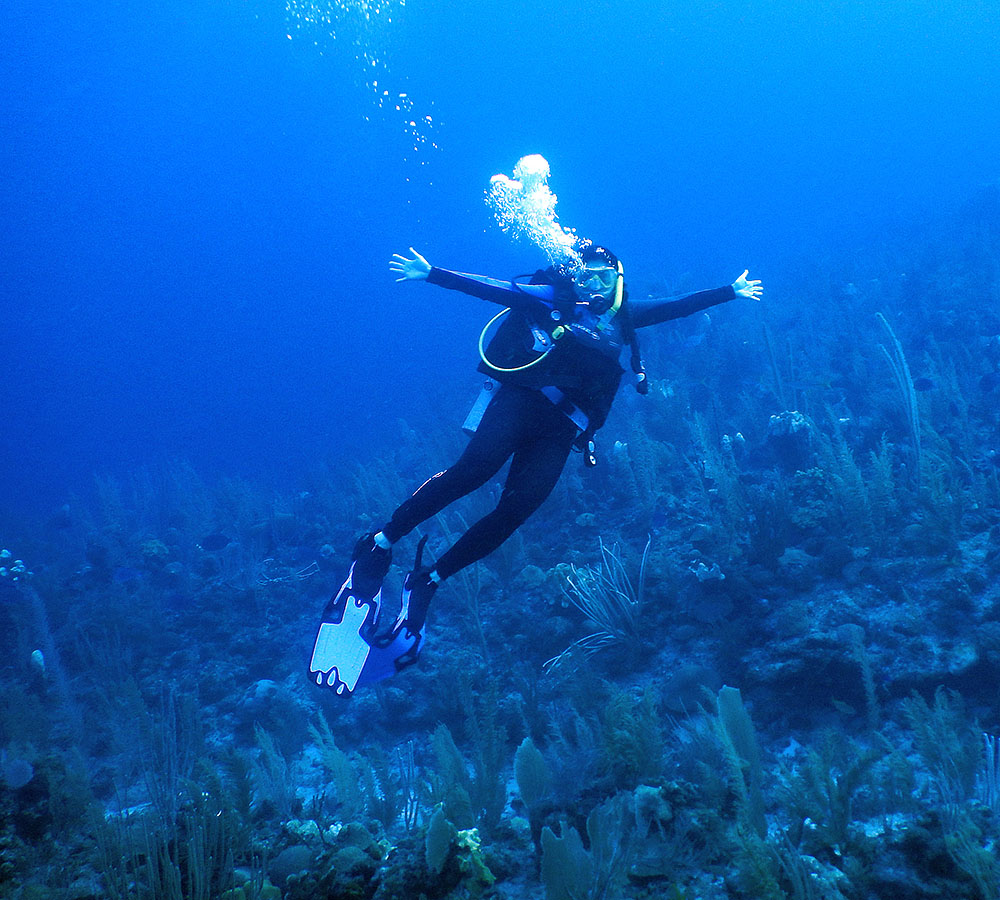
(418, 589)
(371, 563)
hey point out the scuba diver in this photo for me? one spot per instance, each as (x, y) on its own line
(552, 371)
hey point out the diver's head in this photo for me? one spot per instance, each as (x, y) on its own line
(597, 279)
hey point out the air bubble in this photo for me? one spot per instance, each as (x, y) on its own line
(364, 25)
(525, 206)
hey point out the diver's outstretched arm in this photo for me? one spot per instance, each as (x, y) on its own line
(507, 293)
(653, 310)
(416, 269)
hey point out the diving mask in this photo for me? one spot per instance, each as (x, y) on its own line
(598, 279)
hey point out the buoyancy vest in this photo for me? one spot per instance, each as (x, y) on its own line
(564, 344)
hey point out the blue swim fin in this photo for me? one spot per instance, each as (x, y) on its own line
(346, 653)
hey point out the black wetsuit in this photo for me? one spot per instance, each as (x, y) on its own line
(523, 424)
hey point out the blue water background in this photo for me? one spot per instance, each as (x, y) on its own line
(198, 210)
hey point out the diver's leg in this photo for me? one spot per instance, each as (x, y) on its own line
(495, 440)
(534, 471)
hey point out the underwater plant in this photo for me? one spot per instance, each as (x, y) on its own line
(606, 596)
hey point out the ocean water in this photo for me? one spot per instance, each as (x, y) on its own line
(200, 199)
(211, 384)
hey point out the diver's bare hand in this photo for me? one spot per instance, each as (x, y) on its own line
(416, 269)
(752, 290)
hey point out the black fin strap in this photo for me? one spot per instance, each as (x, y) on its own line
(420, 553)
